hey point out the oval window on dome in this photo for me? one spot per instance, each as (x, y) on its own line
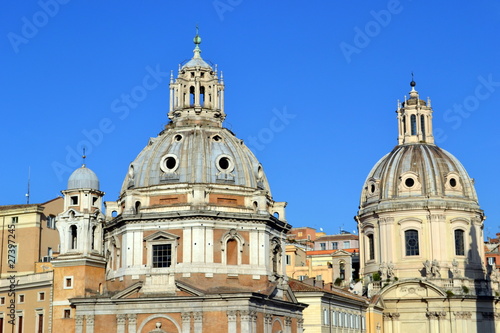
(224, 163)
(216, 138)
(169, 163)
(453, 182)
(178, 137)
(409, 182)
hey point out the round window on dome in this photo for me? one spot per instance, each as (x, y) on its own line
(216, 138)
(409, 182)
(178, 137)
(169, 163)
(224, 163)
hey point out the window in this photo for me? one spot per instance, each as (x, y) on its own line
(459, 242)
(94, 201)
(162, 255)
(41, 296)
(2, 300)
(371, 248)
(14, 219)
(334, 318)
(413, 121)
(288, 259)
(74, 237)
(319, 277)
(67, 313)
(411, 241)
(300, 233)
(302, 277)
(347, 244)
(342, 270)
(20, 324)
(68, 282)
(326, 319)
(12, 254)
(491, 261)
(335, 246)
(74, 200)
(51, 222)
(422, 126)
(322, 246)
(232, 252)
(39, 328)
(20, 298)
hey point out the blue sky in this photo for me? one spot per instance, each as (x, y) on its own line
(329, 73)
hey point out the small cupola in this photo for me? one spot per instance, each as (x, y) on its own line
(197, 94)
(414, 119)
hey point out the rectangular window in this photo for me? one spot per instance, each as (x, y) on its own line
(21, 298)
(326, 320)
(74, 200)
(14, 220)
(51, 221)
(302, 277)
(1, 324)
(288, 260)
(41, 296)
(68, 282)
(459, 243)
(322, 246)
(67, 313)
(2, 300)
(334, 318)
(20, 324)
(491, 261)
(347, 244)
(162, 255)
(319, 277)
(411, 239)
(40, 323)
(335, 246)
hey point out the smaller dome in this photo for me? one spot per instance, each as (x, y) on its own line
(83, 178)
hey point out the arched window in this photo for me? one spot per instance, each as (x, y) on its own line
(232, 252)
(459, 242)
(411, 241)
(413, 123)
(74, 237)
(371, 247)
(202, 96)
(191, 96)
(137, 207)
(422, 126)
(404, 125)
(92, 245)
(342, 270)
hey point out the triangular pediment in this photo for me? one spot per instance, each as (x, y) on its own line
(128, 291)
(341, 253)
(160, 235)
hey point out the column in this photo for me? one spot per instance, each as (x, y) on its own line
(300, 325)
(245, 321)
(231, 321)
(132, 323)
(387, 323)
(186, 322)
(395, 322)
(432, 318)
(198, 321)
(442, 321)
(268, 321)
(120, 323)
(79, 324)
(89, 323)
(288, 325)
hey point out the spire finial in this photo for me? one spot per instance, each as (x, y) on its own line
(412, 83)
(83, 157)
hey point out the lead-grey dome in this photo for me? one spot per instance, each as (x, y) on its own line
(418, 171)
(195, 155)
(83, 177)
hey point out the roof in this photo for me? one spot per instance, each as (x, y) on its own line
(9, 207)
(83, 177)
(298, 286)
(319, 252)
(337, 237)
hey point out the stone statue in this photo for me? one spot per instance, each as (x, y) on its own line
(383, 271)
(435, 269)
(455, 271)
(427, 266)
(390, 270)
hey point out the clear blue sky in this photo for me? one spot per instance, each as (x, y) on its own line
(312, 84)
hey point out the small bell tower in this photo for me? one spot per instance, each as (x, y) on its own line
(79, 270)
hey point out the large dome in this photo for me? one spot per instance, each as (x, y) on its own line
(195, 155)
(83, 177)
(418, 170)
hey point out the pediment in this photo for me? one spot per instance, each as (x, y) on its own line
(160, 236)
(341, 253)
(412, 290)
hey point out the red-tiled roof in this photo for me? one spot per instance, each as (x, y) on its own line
(303, 287)
(319, 252)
